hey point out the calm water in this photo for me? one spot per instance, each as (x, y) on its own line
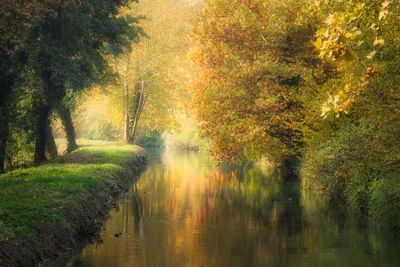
(185, 212)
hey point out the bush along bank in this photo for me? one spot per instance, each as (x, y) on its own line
(360, 165)
(47, 211)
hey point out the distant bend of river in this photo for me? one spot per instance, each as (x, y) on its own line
(184, 211)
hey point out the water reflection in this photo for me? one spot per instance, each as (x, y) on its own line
(185, 212)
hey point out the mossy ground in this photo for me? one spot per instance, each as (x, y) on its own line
(65, 199)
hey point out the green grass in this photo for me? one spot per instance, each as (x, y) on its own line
(57, 193)
(62, 143)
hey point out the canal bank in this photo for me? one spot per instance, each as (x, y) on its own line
(48, 211)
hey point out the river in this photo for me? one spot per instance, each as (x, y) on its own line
(184, 211)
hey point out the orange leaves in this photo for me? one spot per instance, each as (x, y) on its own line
(247, 74)
(368, 74)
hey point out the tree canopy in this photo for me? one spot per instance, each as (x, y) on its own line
(252, 57)
(315, 81)
(61, 52)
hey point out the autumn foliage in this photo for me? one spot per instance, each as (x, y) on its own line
(251, 57)
(312, 80)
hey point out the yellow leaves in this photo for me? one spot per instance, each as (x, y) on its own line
(385, 4)
(331, 39)
(330, 106)
(353, 33)
(327, 33)
(384, 11)
(347, 104)
(315, 6)
(360, 6)
(325, 109)
(371, 55)
(356, 12)
(340, 104)
(379, 41)
(347, 88)
(337, 105)
(318, 43)
(382, 14)
(374, 27)
(332, 19)
(320, 32)
(350, 28)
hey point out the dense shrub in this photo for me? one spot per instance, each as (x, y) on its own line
(357, 165)
(384, 203)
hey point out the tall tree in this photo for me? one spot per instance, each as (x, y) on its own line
(154, 74)
(16, 18)
(70, 51)
(252, 58)
(161, 65)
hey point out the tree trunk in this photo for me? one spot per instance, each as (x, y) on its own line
(41, 133)
(3, 136)
(51, 144)
(66, 119)
(135, 123)
(139, 109)
(126, 119)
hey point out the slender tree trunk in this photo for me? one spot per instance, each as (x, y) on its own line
(51, 144)
(139, 109)
(126, 119)
(66, 119)
(4, 128)
(41, 133)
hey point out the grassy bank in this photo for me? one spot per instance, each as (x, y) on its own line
(45, 211)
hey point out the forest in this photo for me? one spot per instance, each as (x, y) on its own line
(311, 86)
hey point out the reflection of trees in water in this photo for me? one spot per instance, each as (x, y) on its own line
(275, 202)
(184, 211)
(239, 170)
(136, 205)
(331, 227)
(288, 222)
